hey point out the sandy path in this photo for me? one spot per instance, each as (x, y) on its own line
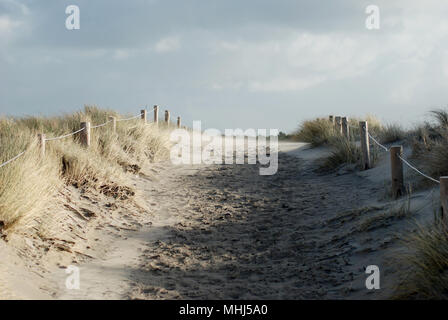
(225, 232)
(240, 235)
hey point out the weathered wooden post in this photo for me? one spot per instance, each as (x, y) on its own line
(396, 168)
(365, 144)
(41, 140)
(178, 122)
(156, 114)
(114, 123)
(345, 128)
(444, 198)
(167, 117)
(338, 125)
(85, 134)
(143, 115)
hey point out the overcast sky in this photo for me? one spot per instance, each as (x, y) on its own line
(229, 63)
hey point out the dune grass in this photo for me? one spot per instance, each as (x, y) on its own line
(430, 144)
(428, 257)
(343, 151)
(29, 183)
(317, 132)
(391, 133)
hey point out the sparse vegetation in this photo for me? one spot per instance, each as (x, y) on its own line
(430, 144)
(399, 211)
(344, 151)
(29, 183)
(428, 257)
(317, 132)
(320, 132)
(391, 133)
(284, 136)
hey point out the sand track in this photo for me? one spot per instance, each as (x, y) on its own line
(238, 235)
(225, 232)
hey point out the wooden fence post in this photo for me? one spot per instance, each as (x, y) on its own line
(114, 123)
(345, 128)
(143, 115)
(396, 168)
(178, 122)
(167, 117)
(85, 134)
(444, 197)
(41, 137)
(338, 125)
(156, 114)
(365, 144)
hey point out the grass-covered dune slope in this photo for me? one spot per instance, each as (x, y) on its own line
(29, 184)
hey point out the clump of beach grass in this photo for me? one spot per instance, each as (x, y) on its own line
(430, 144)
(428, 259)
(29, 183)
(391, 133)
(343, 151)
(316, 132)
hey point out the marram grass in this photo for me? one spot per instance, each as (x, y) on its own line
(30, 183)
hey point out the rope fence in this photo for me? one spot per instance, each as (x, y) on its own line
(64, 136)
(131, 118)
(406, 162)
(102, 125)
(13, 159)
(342, 126)
(84, 131)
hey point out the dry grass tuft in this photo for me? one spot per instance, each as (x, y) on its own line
(317, 132)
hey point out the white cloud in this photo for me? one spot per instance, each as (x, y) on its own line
(168, 44)
(285, 84)
(7, 25)
(297, 61)
(121, 54)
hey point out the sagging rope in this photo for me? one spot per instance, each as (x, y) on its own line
(101, 125)
(417, 170)
(405, 161)
(65, 136)
(382, 146)
(131, 118)
(11, 160)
